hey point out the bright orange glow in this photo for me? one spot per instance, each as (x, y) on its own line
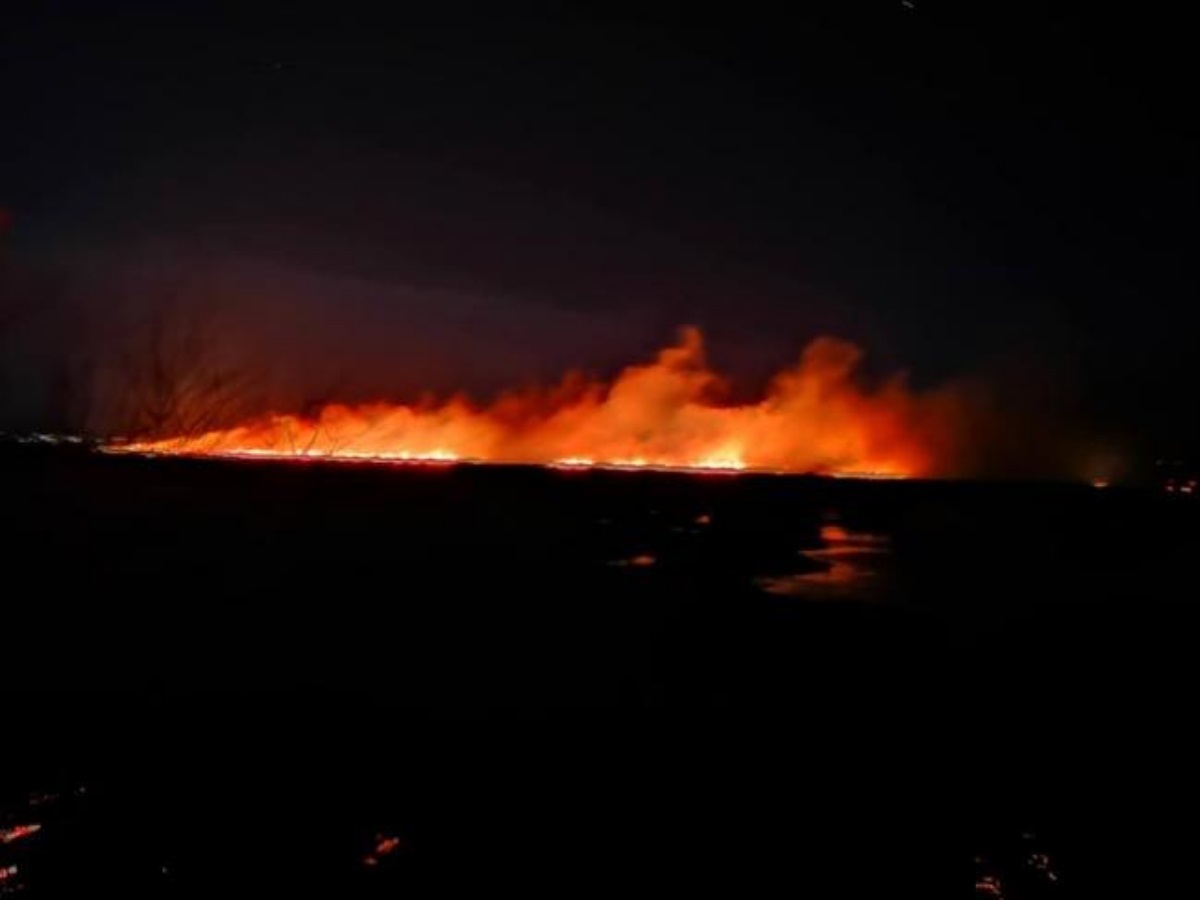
(834, 534)
(815, 417)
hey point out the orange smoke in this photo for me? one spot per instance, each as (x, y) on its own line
(816, 417)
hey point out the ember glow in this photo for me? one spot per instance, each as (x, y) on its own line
(815, 417)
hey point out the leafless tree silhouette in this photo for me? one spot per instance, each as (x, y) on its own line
(179, 378)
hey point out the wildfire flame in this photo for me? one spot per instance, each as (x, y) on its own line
(815, 417)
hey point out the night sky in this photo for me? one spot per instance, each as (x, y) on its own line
(488, 194)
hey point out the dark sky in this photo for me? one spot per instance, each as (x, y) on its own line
(490, 192)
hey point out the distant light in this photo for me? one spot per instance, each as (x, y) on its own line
(641, 561)
(1100, 483)
(17, 832)
(384, 846)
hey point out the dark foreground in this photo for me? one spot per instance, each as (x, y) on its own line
(305, 680)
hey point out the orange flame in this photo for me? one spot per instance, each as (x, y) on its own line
(814, 418)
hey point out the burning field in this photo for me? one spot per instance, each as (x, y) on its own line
(818, 416)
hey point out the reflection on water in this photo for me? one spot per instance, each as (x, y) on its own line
(853, 564)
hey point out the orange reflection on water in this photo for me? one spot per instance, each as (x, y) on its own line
(851, 560)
